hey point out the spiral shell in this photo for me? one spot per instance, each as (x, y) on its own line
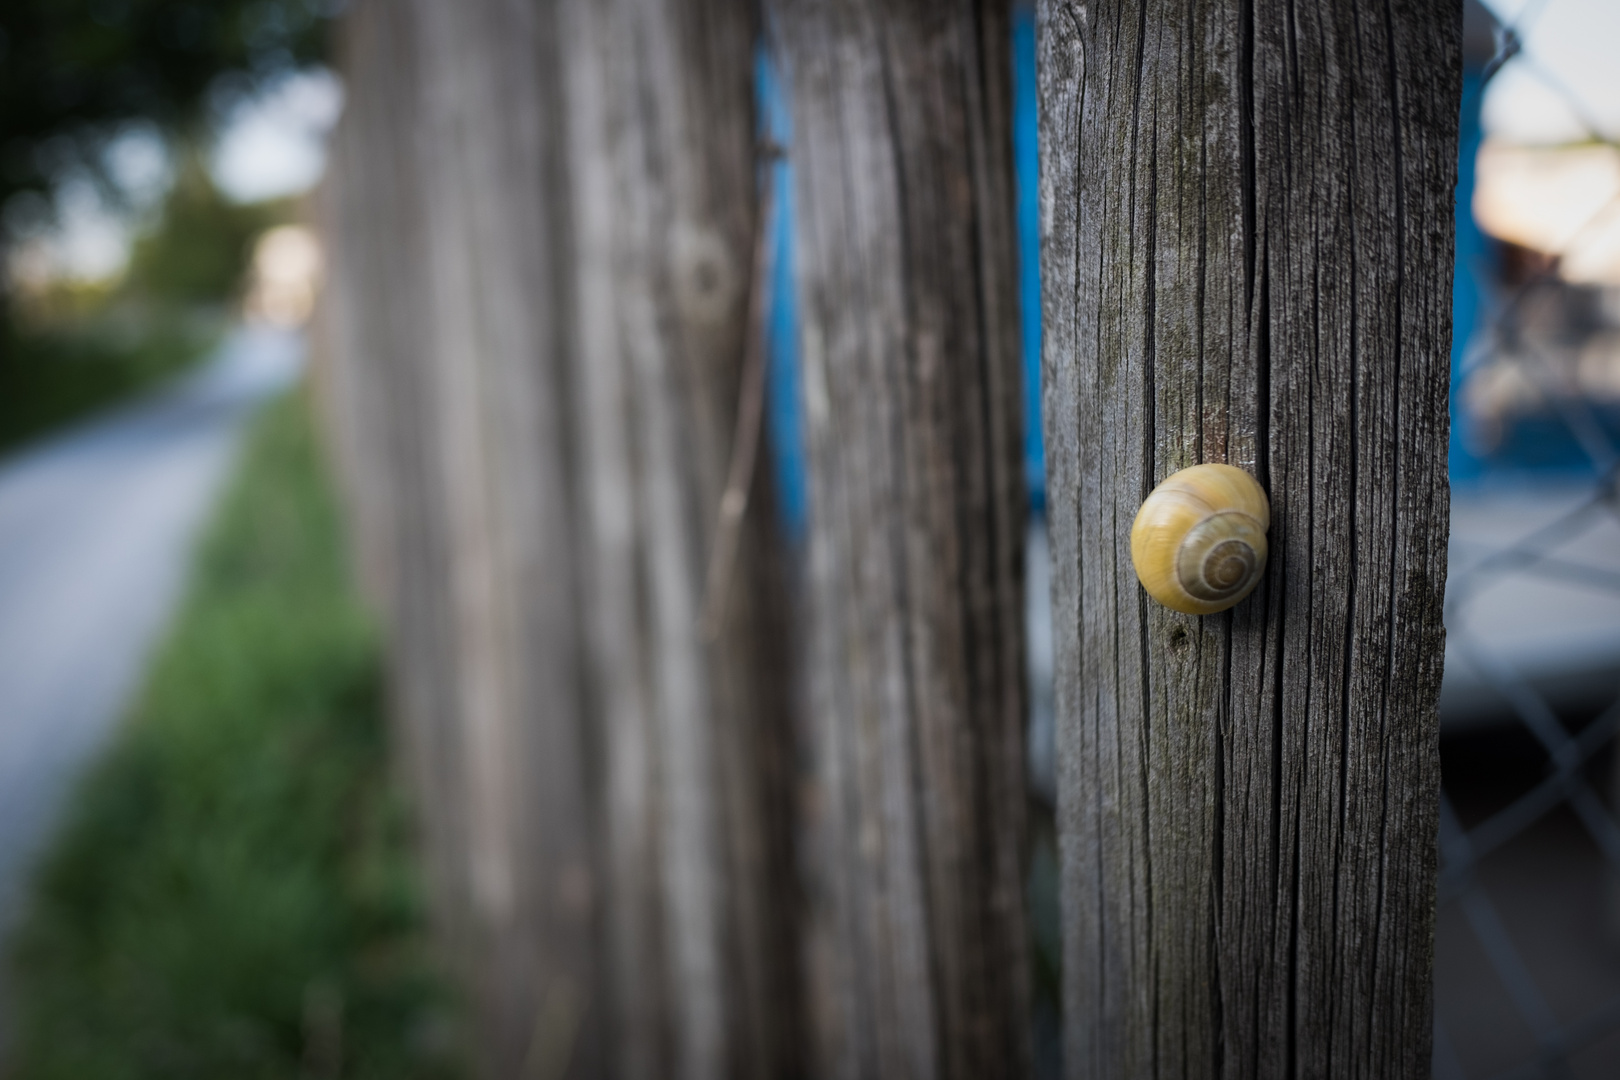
(1199, 540)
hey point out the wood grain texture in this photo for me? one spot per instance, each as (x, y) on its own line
(696, 733)
(1246, 215)
(543, 220)
(446, 215)
(902, 159)
(384, 432)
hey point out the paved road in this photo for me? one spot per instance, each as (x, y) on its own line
(96, 527)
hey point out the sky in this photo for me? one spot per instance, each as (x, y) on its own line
(276, 144)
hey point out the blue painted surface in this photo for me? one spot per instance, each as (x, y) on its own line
(783, 414)
(1473, 270)
(1026, 159)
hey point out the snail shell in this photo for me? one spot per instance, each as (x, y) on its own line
(1199, 541)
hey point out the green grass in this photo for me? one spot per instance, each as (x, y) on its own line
(235, 894)
(51, 376)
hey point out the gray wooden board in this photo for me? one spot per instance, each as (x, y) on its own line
(695, 734)
(1246, 220)
(542, 224)
(445, 214)
(902, 160)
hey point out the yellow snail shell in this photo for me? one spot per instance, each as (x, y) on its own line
(1199, 541)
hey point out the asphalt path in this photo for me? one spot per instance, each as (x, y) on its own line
(96, 530)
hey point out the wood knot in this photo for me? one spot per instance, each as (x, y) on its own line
(706, 278)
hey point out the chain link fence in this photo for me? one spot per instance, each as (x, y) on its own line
(1528, 941)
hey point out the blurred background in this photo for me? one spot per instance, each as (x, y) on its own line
(204, 865)
(205, 868)
(1528, 941)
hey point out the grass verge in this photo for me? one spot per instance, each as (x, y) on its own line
(50, 377)
(234, 893)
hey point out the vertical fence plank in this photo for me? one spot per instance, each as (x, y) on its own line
(485, 139)
(902, 156)
(447, 218)
(694, 715)
(1247, 223)
(376, 283)
(544, 224)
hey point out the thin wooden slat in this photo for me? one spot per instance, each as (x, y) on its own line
(902, 158)
(696, 728)
(451, 217)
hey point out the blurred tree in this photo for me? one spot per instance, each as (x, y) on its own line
(73, 347)
(196, 251)
(72, 72)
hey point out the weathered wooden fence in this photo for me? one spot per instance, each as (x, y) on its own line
(543, 367)
(702, 801)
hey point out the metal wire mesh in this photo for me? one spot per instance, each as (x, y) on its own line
(1510, 907)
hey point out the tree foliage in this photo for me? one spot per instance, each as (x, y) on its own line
(200, 244)
(72, 72)
(74, 75)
